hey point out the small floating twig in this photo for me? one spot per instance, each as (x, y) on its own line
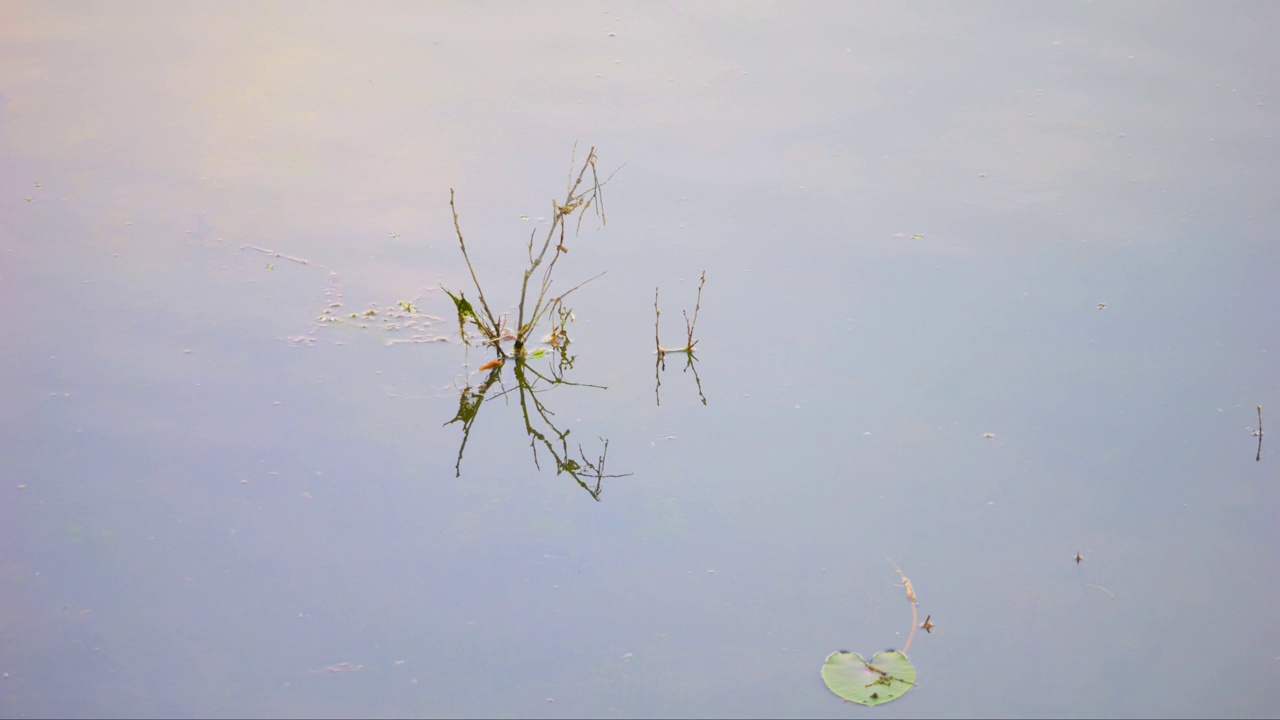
(1099, 587)
(1258, 434)
(340, 667)
(280, 255)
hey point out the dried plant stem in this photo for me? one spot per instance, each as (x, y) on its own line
(690, 342)
(1258, 457)
(492, 332)
(689, 325)
(660, 362)
(531, 311)
(573, 201)
(657, 343)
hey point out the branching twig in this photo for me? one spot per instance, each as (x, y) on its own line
(688, 325)
(574, 200)
(533, 307)
(531, 310)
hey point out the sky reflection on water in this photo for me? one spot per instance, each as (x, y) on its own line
(911, 218)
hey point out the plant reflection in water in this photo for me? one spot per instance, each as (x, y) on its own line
(530, 389)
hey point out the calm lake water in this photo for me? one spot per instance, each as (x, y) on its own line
(987, 286)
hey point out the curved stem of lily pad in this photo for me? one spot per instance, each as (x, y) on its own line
(914, 624)
(915, 616)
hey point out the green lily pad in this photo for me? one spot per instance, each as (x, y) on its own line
(887, 677)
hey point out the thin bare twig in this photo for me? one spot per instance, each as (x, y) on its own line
(493, 331)
(688, 325)
(1258, 433)
(657, 341)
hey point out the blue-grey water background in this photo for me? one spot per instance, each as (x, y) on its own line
(987, 285)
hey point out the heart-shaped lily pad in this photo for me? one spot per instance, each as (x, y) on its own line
(887, 677)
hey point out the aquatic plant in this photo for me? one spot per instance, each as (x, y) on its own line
(888, 675)
(536, 305)
(660, 363)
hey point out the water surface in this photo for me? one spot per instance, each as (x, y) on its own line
(987, 286)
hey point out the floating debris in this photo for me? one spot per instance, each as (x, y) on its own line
(340, 667)
(1258, 434)
(1099, 587)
